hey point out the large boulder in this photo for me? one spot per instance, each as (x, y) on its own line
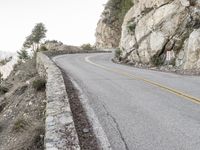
(152, 28)
(192, 51)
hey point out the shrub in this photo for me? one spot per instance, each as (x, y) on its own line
(173, 62)
(2, 106)
(43, 48)
(39, 84)
(87, 47)
(53, 41)
(118, 53)
(5, 61)
(23, 54)
(131, 27)
(157, 60)
(118, 8)
(19, 125)
(3, 90)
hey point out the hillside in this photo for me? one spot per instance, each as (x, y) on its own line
(22, 109)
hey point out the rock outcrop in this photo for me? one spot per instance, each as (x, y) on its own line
(108, 32)
(59, 46)
(159, 32)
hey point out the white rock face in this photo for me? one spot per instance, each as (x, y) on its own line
(192, 51)
(153, 27)
(157, 40)
(7, 68)
(185, 2)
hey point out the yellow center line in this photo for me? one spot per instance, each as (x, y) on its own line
(131, 76)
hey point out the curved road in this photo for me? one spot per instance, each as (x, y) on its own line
(138, 109)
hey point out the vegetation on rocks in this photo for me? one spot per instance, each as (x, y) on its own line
(5, 61)
(157, 60)
(131, 27)
(118, 9)
(3, 89)
(39, 84)
(42, 48)
(19, 125)
(108, 32)
(118, 53)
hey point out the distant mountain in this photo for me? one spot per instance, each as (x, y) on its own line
(4, 54)
(8, 67)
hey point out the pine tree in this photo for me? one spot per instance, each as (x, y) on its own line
(33, 40)
(23, 54)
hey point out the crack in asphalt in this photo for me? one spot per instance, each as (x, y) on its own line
(117, 126)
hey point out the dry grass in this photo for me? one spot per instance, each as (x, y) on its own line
(20, 125)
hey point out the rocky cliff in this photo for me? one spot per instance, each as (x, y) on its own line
(153, 29)
(108, 32)
(159, 32)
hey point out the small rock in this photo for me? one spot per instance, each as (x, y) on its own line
(30, 103)
(185, 3)
(170, 66)
(28, 82)
(85, 130)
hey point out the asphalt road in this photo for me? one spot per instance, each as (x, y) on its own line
(139, 109)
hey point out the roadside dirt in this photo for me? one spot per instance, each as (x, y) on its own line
(84, 129)
(22, 110)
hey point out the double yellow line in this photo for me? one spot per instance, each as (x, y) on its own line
(163, 87)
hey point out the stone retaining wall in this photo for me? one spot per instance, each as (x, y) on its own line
(55, 53)
(60, 132)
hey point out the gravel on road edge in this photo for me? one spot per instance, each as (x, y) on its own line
(83, 127)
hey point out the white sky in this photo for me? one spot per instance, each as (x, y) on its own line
(71, 21)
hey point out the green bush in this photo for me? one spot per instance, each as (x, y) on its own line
(131, 27)
(39, 84)
(3, 90)
(118, 53)
(156, 60)
(173, 62)
(43, 48)
(5, 61)
(119, 8)
(87, 47)
(23, 54)
(2, 106)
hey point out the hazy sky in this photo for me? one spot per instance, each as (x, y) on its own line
(70, 21)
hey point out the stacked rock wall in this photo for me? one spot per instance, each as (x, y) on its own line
(60, 132)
